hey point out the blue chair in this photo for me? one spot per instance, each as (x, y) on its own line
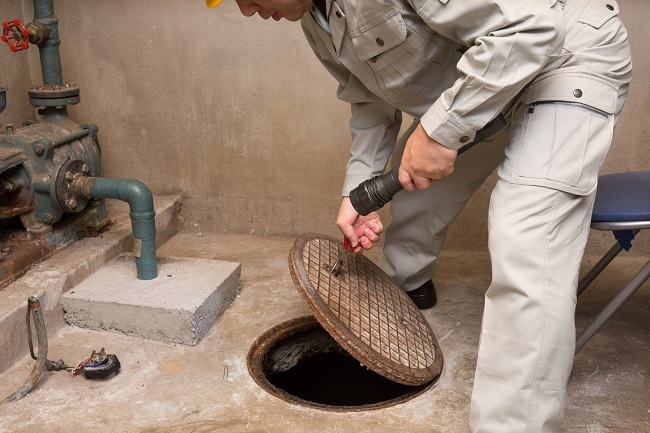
(622, 206)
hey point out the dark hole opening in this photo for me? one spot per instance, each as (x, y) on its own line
(310, 366)
(337, 379)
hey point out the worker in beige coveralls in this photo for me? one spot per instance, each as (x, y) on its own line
(559, 73)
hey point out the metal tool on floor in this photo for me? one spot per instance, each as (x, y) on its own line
(99, 365)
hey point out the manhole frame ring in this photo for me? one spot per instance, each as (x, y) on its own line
(284, 330)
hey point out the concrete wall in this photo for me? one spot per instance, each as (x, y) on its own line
(237, 115)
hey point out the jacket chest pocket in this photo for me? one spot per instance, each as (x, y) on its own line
(598, 12)
(406, 61)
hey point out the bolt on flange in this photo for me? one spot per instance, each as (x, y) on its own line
(66, 197)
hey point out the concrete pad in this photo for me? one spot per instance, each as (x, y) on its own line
(47, 280)
(179, 306)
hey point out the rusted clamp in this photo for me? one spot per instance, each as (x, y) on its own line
(99, 366)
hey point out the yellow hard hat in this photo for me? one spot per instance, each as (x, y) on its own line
(212, 3)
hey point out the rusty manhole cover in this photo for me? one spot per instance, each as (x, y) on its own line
(365, 311)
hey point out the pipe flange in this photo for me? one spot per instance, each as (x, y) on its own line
(54, 91)
(54, 95)
(64, 191)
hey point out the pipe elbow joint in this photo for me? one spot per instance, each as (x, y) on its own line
(136, 193)
(143, 215)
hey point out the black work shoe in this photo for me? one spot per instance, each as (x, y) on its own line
(424, 296)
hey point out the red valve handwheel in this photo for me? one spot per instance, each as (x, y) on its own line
(16, 35)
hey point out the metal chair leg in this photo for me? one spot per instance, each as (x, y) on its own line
(598, 267)
(602, 264)
(618, 300)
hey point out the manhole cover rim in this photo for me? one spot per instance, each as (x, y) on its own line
(351, 343)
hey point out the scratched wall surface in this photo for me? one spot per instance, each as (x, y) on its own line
(236, 114)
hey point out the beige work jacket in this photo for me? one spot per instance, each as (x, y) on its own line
(455, 64)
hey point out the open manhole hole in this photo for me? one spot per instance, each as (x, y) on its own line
(299, 362)
(366, 346)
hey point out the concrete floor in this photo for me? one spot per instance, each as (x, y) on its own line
(206, 388)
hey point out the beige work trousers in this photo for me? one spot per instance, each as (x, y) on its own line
(540, 209)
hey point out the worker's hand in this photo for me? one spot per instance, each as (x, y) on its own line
(424, 161)
(361, 231)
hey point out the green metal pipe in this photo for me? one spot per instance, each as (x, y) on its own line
(49, 49)
(143, 215)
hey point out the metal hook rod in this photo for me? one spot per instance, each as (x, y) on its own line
(33, 307)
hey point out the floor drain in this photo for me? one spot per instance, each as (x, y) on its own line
(299, 362)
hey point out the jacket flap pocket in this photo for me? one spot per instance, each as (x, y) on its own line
(380, 37)
(598, 12)
(577, 89)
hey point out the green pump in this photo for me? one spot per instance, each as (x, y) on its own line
(50, 168)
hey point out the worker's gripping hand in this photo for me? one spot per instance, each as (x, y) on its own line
(424, 161)
(361, 231)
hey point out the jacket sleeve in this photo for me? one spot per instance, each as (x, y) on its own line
(510, 42)
(374, 124)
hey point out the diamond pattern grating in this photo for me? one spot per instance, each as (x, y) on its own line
(365, 311)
